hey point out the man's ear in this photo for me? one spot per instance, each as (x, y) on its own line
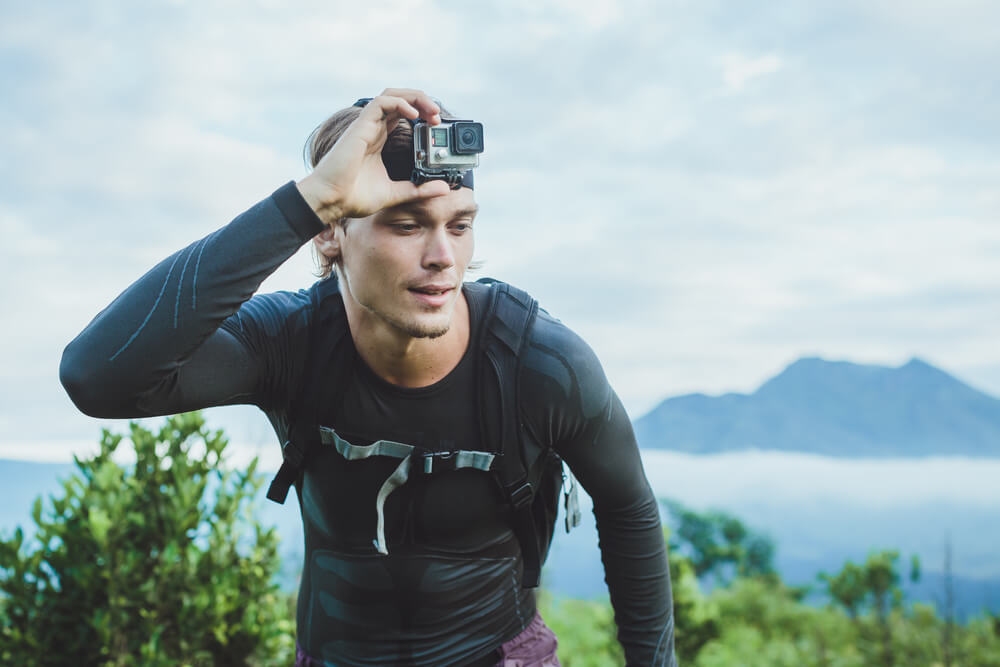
(328, 243)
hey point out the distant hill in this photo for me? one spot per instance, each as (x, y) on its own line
(834, 408)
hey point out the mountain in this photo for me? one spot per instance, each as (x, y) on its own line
(834, 408)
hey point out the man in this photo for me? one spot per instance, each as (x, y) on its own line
(428, 569)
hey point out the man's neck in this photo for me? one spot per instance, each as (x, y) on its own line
(403, 360)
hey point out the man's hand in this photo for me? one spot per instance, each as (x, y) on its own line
(350, 181)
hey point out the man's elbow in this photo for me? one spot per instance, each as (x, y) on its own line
(83, 383)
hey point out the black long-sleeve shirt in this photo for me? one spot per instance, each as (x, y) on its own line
(188, 335)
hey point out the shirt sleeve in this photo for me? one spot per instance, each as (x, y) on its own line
(160, 347)
(577, 411)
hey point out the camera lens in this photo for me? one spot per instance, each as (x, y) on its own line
(468, 138)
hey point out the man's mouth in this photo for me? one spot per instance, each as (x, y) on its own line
(433, 295)
(432, 289)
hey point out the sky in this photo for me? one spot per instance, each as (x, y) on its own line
(705, 191)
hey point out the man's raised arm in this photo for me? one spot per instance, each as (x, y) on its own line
(158, 349)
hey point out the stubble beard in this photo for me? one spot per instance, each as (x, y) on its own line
(408, 325)
(416, 331)
(413, 327)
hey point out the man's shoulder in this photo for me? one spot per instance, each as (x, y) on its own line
(272, 312)
(323, 293)
(547, 331)
(555, 356)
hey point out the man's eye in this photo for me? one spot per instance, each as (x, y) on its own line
(406, 226)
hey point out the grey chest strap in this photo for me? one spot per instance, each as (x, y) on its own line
(413, 461)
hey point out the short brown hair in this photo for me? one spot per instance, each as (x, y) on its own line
(322, 139)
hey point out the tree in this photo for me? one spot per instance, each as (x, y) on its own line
(696, 620)
(874, 585)
(719, 544)
(847, 588)
(764, 623)
(947, 637)
(157, 564)
(882, 580)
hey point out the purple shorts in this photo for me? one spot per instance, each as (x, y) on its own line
(535, 646)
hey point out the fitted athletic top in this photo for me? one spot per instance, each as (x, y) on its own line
(190, 334)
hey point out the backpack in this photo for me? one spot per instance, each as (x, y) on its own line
(530, 476)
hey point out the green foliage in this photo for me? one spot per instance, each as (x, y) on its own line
(978, 644)
(696, 620)
(719, 544)
(847, 588)
(874, 586)
(163, 564)
(759, 621)
(763, 622)
(753, 618)
(586, 631)
(915, 569)
(160, 564)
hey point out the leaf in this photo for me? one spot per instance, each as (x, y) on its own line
(36, 510)
(100, 523)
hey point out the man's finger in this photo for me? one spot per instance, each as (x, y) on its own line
(407, 103)
(420, 100)
(405, 191)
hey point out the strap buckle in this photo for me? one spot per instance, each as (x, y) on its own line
(431, 462)
(522, 495)
(292, 454)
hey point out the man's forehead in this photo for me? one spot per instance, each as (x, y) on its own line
(454, 203)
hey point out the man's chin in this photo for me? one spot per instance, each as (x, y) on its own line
(436, 333)
(429, 330)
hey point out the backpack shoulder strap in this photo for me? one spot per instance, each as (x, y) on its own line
(324, 374)
(510, 317)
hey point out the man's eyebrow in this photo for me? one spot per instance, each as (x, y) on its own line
(416, 209)
(468, 212)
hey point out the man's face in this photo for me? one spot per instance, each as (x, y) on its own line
(405, 265)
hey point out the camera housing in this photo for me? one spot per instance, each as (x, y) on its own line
(446, 151)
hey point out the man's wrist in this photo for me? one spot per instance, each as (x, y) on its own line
(319, 200)
(296, 211)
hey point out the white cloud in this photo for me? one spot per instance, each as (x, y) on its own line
(569, 14)
(827, 186)
(738, 69)
(781, 478)
(963, 26)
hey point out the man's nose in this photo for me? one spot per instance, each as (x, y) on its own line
(439, 252)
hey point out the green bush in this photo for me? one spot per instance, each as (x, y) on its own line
(157, 564)
(585, 629)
